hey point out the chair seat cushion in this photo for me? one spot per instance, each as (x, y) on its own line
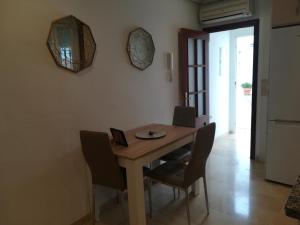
(171, 173)
(178, 154)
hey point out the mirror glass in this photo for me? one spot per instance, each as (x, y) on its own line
(71, 44)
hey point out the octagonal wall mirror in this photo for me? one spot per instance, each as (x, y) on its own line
(71, 44)
(140, 48)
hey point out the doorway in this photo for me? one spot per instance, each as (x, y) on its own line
(233, 64)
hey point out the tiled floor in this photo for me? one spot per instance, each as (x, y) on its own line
(238, 194)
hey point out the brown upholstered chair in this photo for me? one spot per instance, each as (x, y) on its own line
(184, 117)
(103, 164)
(181, 175)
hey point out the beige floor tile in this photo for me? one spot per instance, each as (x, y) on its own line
(238, 193)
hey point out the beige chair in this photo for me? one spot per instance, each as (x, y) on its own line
(181, 175)
(103, 164)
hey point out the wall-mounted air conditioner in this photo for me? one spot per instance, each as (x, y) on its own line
(222, 10)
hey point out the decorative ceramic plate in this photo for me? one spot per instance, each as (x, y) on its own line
(150, 134)
(140, 48)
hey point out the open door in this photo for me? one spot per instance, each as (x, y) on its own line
(193, 61)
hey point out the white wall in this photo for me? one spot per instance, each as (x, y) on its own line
(263, 12)
(234, 34)
(219, 61)
(43, 176)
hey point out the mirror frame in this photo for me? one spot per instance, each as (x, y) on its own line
(82, 65)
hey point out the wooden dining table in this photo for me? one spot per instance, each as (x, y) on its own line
(142, 152)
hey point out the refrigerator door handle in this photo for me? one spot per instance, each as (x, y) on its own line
(286, 121)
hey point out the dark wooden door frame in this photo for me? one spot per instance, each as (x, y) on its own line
(250, 23)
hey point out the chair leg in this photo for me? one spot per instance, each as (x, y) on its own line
(150, 197)
(150, 166)
(206, 195)
(174, 193)
(118, 197)
(122, 200)
(187, 206)
(93, 206)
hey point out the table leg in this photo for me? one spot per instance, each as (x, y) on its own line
(196, 185)
(136, 201)
(196, 188)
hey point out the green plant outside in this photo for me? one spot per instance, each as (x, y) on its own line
(246, 85)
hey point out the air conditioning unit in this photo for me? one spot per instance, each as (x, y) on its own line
(223, 10)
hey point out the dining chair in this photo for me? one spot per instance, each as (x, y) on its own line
(184, 117)
(103, 164)
(180, 175)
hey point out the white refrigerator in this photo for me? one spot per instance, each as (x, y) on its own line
(283, 133)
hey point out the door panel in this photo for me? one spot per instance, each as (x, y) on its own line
(284, 74)
(201, 101)
(283, 152)
(193, 47)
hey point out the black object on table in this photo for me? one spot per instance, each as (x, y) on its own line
(119, 137)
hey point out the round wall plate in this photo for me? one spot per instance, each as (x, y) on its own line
(140, 48)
